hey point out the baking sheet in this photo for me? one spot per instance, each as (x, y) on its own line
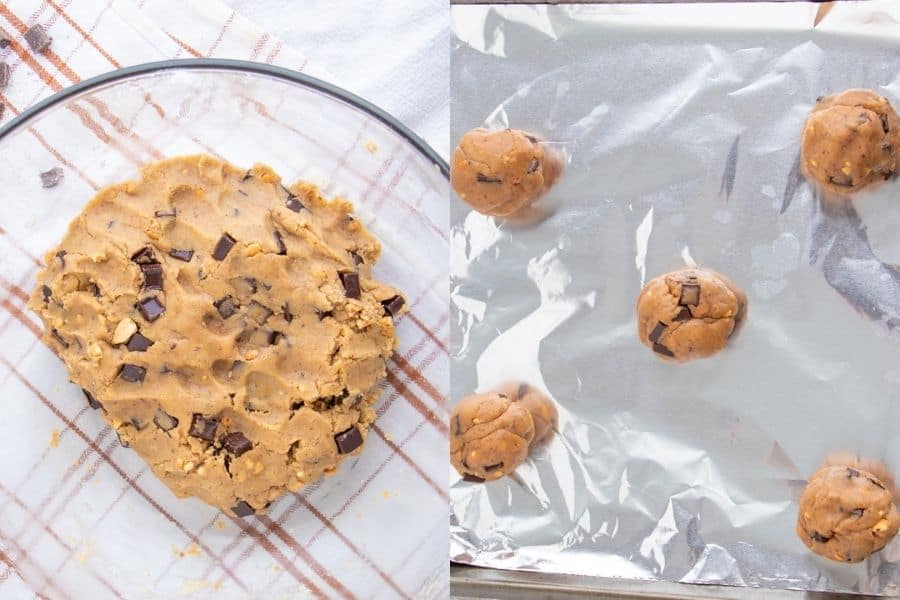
(682, 125)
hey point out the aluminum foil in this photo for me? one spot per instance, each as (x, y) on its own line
(682, 127)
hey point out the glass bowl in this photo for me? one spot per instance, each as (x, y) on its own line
(82, 516)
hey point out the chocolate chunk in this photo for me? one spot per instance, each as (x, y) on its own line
(294, 204)
(851, 472)
(242, 509)
(499, 465)
(151, 309)
(144, 256)
(531, 138)
(132, 373)
(481, 178)
(324, 314)
(122, 442)
(535, 164)
(46, 293)
(841, 180)
(164, 420)
(348, 441)
(223, 247)
(392, 306)
(94, 289)
(274, 337)
(818, 537)
(660, 349)
(357, 259)
(138, 423)
(153, 276)
(472, 478)
(92, 402)
(226, 306)
(61, 255)
(52, 177)
(59, 338)
(884, 124)
(857, 512)
(138, 343)
(523, 389)
(236, 443)
(247, 175)
(690, 294)
(286, 312)
(350, 280)
(657, 332)
(37, 38)
(166, 213)
(887, 146)
(184, 255)
(259, 312)
(242, 193)
(279, 241)
(875, 482)
(4, 74)
(683, 315)
(819, 99)
(203, 428)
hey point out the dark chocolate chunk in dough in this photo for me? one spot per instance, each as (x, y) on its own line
(348, 441)
(52, 177)
(132, 373)
(166, 213)
(223, 247)
(683, 315)
(690, 294)
(657, 332)
(92, 402)
(203, 428)
(242, 509)
(37, 38)
(279, 242)
(183, 255)
(153, 276)
(226, 306)
(499, 465)
(138, 343)
(350, 281)
(818, 537)
(151, 309)
(61, 255)
(236, 443)
(144, 256)
(660, 349)
(884, 124)
(259, 312)
(59, 338)
(535, 165)
(851, 472)
(482, 178)
(472, 478)
(46, 293)
(392, 306)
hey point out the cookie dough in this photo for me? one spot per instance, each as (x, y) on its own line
(849, 141)
(690, 313)
(846, 514)
(501, 172)
(542, 408)
(489, 436)
(227, 327)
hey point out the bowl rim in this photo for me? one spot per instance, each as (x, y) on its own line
(236, 65)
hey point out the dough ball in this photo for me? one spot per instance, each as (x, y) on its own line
(690, 313)
(489, 435)
(542, 408)
(500, 172)
(846, 514)
(849, 141)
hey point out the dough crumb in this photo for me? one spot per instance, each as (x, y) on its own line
(371, 147)
(54, 438)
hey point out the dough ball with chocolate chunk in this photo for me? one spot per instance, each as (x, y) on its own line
(229, 328)
(849, 141)
(542, 408)
(500, 172)
(489, 435)
(690, 313)
(846, 514)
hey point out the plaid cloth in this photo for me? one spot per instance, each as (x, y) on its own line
(81, 517)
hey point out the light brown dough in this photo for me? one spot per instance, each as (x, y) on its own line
(849, 141)
(264, 361)
(689, 313)
(846, 514)
(501, 172)
(489, 435)
(542, 408)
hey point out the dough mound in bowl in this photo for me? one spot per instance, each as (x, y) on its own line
(226, 326)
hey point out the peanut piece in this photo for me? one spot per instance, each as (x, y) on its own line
(124, 330)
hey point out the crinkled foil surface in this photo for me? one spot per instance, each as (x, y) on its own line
(682, 126)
